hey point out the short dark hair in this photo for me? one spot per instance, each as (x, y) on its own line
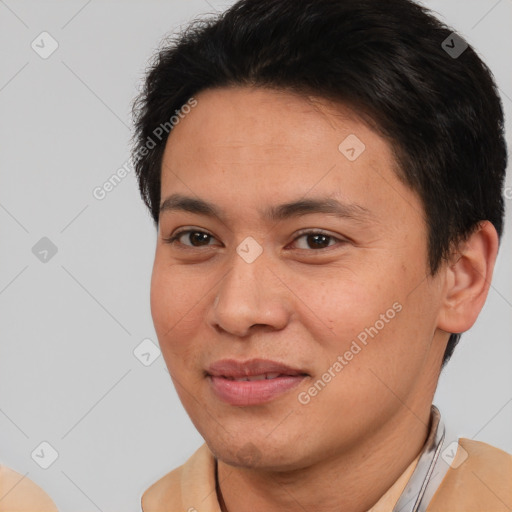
(388, 61)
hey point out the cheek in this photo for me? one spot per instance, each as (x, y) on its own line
(161, 299)
(178, 297)
(173, 294)
(169, 302)
(371, 313)
(340, 308)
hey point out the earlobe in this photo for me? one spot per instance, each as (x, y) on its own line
(468, 278)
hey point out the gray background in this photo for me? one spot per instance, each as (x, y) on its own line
(69, 326)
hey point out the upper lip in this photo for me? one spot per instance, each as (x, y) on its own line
(250, 368)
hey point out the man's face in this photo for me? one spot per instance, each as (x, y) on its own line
(348, 306)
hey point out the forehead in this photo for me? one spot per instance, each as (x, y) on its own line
(242, 145)
(248, 119)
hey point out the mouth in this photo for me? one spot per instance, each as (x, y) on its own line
(252, 378)
(253, 382)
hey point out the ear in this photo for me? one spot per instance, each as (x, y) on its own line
(468, 278)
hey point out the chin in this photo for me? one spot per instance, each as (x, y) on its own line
(254, 454)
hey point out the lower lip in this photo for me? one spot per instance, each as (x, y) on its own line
(236, 392)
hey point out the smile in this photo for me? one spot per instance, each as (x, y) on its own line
(252, 382)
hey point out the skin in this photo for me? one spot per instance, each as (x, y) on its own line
(245, 149)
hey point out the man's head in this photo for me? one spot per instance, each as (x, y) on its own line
(441, 115)
(279, 102)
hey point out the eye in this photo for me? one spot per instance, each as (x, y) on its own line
(195, 236)
(315, 239)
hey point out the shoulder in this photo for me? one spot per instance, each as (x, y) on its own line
(166, 490)
(19, 493)
(479, 478)
(184, 485)
(483, 452)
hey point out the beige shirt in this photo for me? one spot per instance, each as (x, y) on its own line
(19, 494)
(482, 483)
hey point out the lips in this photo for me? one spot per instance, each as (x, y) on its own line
(252, 382)
(231, 368)
(263, 376)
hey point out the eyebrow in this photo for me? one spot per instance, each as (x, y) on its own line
(328, 205)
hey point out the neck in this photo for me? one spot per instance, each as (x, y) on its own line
(351, 480)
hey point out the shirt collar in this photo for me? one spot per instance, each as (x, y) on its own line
(197, 477)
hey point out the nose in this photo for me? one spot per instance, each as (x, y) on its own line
(250, 294)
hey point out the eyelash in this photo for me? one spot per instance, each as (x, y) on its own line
(172, 239)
